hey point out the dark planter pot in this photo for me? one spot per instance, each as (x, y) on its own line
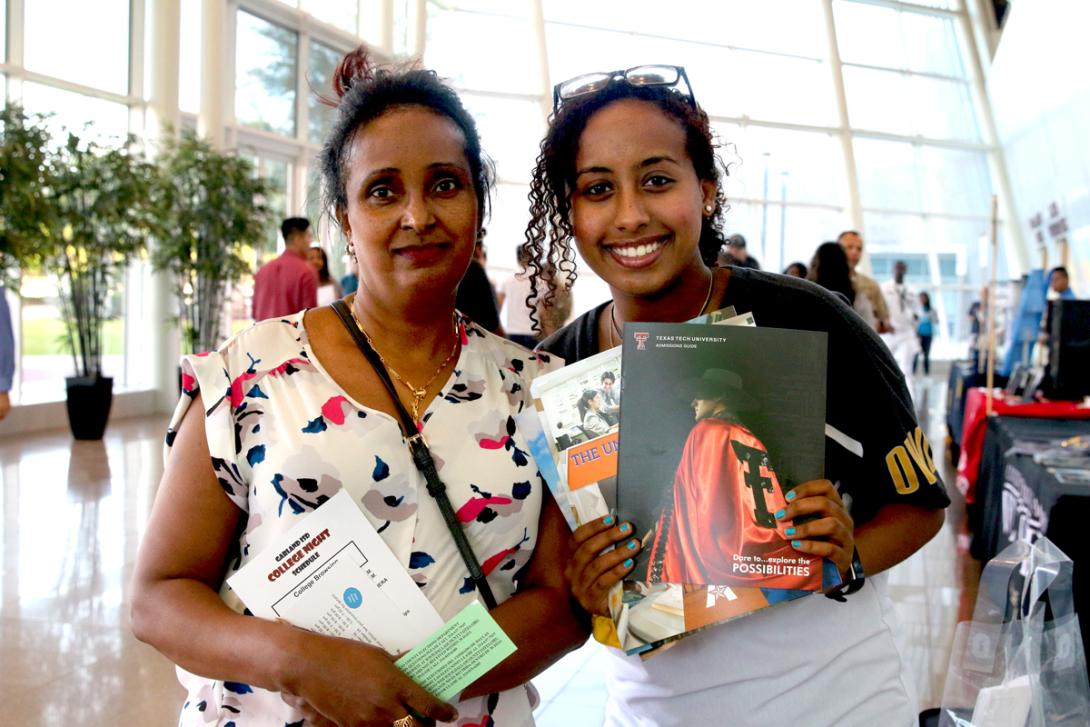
(89, 399)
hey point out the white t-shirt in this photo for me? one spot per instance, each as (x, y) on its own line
(840, 662)
(517, 316)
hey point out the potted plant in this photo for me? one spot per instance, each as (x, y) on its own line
(211, 212)
(100, 206)
(23, 211)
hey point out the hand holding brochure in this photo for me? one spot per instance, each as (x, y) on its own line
(333, 574)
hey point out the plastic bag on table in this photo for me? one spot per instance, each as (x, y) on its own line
(1020, 661)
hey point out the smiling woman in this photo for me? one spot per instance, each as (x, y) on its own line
(305, 415)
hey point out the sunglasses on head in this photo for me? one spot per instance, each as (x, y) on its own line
(649, 75)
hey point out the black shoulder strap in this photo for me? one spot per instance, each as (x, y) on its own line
(421, 456)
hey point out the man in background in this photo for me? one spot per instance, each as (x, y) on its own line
(289, 283)
(735, 254)
(852, 243)
(901, 302)
(7, 354)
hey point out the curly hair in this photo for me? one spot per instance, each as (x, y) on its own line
(364, 92)
(549, 232)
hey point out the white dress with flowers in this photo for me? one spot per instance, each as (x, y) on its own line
(284, 438)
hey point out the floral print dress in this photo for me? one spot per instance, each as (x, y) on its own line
(284, 438)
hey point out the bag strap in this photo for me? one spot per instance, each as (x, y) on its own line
(421, 456)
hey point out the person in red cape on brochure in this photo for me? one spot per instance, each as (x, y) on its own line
(719, 523)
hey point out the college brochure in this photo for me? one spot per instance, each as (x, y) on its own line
(720, 423)
(332, 574)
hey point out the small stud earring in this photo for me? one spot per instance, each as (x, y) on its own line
(708, 209)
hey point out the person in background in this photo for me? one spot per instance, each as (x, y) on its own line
(852, 243)
(734, 253)
(925, 331)
(901, 302)
(628, 175)
(287, 284)
(289, 413)
(1059, 288)
(829, 269)
(7, 354)
(329, 289)
(796, 269)
(351, 281)
(476, 296)
(513, 294)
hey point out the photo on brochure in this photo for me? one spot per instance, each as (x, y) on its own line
(720, 424)
(579, 410)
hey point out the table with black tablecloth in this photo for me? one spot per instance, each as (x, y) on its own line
(1019, 498)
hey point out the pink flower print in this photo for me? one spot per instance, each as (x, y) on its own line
(334, 410)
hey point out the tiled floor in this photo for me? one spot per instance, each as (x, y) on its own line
(73, 513)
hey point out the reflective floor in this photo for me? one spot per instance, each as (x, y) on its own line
(73, 513)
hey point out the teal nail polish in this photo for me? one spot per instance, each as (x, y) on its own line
(625, 528)
(789, 531)
(628, 563)
(796, 543)
(779, 514)
(608, 520)
(631, 544)
(791, 496)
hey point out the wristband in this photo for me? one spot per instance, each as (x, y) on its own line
(856, 578)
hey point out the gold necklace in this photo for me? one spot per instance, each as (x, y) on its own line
(615, 337)
(417, 394)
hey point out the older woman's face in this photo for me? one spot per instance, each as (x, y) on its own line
(412, 207)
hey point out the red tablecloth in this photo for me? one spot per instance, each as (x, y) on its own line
(972, 431)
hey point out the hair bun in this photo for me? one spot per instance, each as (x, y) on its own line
(354, 67)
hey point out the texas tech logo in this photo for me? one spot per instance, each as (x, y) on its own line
(641, 339)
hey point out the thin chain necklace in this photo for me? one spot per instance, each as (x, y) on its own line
(615, 337)
(417, 393)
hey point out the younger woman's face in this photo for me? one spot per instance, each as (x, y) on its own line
(314, 257)
(637, 203)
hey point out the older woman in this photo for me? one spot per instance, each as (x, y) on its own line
(289, 412)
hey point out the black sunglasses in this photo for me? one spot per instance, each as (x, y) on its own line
(649, 75)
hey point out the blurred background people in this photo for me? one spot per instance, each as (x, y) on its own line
(925, 331)
(796, 269)
(852, 242)
(287, 284)
(901, 303)
(513, 294)
(829, 269)
(7, 354)
(476, 296)
(734, 253)
(329, 289)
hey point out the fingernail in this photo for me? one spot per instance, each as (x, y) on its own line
(625, 528)
(627, 563)
(779, 513)
(631, 544)
(791, 496)
(789, 531)
(796, 543)
(608, 520)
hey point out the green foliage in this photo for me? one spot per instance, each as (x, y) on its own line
(101, 207)
(23, 208)
(210, 206)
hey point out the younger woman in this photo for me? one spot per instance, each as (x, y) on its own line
(289, 412)
(628, 172)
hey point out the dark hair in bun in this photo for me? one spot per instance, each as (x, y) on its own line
(365, 92)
